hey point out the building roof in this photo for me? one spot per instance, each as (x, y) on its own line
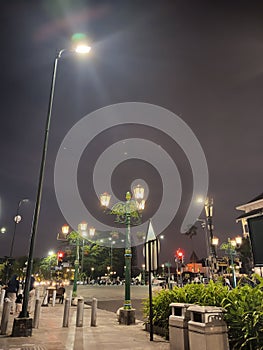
(251, 213)
(193, 257)
(260, 196)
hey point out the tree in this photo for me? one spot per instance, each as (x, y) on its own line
(245, 255)
(192, 231)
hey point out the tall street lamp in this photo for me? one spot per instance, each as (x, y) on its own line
(17, 219)
(128, 213)
(81, 49)
(209, 215)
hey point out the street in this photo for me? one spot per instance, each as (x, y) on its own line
(111, 298)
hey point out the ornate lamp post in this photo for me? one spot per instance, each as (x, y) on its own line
(128, 213)
(77, 236)
(209, 215)
(230, 250)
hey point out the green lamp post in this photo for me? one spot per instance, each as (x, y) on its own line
(128, 213)
(76, 236)
(230, 250)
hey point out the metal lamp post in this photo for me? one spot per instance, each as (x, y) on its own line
(85, 237)
(230, 249)
(82, 227)
(209, 215)
(128, 213)
(17, 219)
(50, 254)
(80, 234)
(81, 49)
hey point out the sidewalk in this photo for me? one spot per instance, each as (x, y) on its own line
(108, 335)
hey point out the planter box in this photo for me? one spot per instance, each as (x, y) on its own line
(158, 330)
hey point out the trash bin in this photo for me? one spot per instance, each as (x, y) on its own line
(178, 326)
(207, 329)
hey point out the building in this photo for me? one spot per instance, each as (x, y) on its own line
(251, 209)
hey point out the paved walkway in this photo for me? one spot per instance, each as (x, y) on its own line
(108, 334)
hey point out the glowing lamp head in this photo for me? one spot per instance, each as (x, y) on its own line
(233, 243)
(138, 192)
(215, 241)
(105, 199)
(3, 230)
(83, 226)
(82, 49)
(92, 231)
(239, 240)
(65, 229)
(141, 204)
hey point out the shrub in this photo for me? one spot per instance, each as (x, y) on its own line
(244, 309)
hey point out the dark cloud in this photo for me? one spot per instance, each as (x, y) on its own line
(202, 60)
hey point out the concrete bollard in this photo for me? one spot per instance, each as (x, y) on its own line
(66, 313)
(93, 319)
(45, 300)
(5, 316)
(36, 314)
(54, 297)
(80, 309)
(37, 293)
(70, 296)
(2, 297)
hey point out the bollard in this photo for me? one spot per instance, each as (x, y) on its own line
(45, 300)
(37, 293)
(36, 314)
(54, 297)
(93, 320)
(5, 316)
(80, 309)
(66, 313)
(2, 297)
(70, 296)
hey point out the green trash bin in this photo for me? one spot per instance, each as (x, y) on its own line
(207, 329)
(178, 326)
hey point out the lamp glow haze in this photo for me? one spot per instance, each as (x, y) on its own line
(86, 129)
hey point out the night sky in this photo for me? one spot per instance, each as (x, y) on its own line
(201, 60)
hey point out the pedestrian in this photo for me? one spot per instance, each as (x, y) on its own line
(227, 283)
(19, 300)
(31, 295)
(11, 291)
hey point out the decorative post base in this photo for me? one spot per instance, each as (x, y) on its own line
(22, 327)
(126, 317)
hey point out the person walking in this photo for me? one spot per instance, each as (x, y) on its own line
(11, 291)
(19, 301)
